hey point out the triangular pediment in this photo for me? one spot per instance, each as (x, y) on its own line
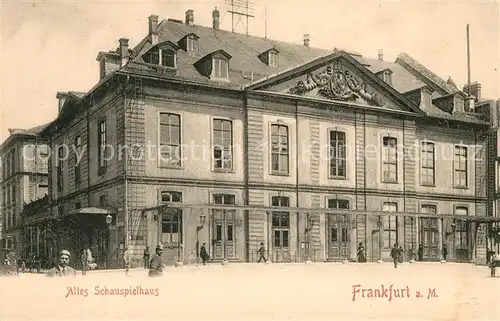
(337, 77)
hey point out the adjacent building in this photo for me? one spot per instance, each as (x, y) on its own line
(24, 157)
(227, 129)
(489, 110)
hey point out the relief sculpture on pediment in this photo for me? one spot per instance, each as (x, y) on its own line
(336, 83)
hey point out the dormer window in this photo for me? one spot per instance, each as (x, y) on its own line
(219, 68)
(189, 43)
(167, 58)
(164, 54)
(270, 57)
(215, 65)
(385, 75)
(273, 59)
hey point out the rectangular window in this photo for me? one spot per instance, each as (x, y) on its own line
(13, 162)
(173, 197)
(153, 57)
(14, 194)
(78, 205)
(220, 68)
(170, 139)
(103, 200)
(171, 220)
(223, 144)
(338, 203)
(168, 58)
(390, 225)
(101, 145)
(461, 234)
(4, 167)
(273, 59)
(78, 149)
(427, 162)
(191, 44)
(428, 209)
(60, 169)
(279, 149)
(389, 160)
(337, 154)
(460, 167)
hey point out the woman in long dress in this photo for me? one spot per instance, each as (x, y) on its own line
(361, 253)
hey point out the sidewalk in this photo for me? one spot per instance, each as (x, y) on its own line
(245, 264)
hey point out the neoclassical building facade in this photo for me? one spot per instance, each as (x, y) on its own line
(228, 128)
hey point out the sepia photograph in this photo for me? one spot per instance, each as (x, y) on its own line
(250, 160)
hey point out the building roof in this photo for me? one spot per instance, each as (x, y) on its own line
(246, 67)
(31, 131)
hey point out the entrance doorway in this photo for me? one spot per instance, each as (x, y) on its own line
(281, 235)
(223, 234)
(338, 236)
(222, 228)
(337, 226)
(429, 237)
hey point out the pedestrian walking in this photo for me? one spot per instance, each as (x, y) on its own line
(145, 257)
(85, 262)
(401, 255)
(155, 264)
(262, 252)
(204, 254)
(127, 260)
(445, 251)
(62, 268)
(420, 252)
(395, 255)
(494, 263)
(361, 253)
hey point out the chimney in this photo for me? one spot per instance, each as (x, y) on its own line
(475, 90)
(381, 55)
(124, 55)
(307, 39)
(190, 17)
(153, 29)
(215, 16)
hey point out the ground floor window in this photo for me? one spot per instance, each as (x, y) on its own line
(460, 234)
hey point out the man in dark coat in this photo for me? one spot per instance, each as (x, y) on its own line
(204, 254)
(445, 251)
(401, 254)
(155, 264)
(395, 255)
(62, 268)
(420, 252)
(145, 257)
(261, 252)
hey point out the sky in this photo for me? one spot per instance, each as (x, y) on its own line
(50, 46)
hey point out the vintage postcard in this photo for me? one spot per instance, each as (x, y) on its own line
(250, 160)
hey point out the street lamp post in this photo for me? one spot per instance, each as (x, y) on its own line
(379, 226)
(198, 228)
(109, 219)
(310, 224)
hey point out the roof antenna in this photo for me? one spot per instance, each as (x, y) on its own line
(468, 62)
(265, 28)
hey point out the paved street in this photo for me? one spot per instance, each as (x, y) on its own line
(258, 292)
